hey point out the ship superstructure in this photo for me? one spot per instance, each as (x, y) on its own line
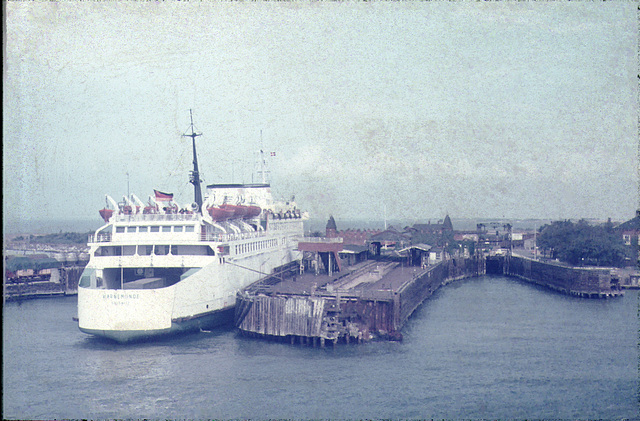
(158, 267)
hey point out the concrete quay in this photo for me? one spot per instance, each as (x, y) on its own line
(370, 300)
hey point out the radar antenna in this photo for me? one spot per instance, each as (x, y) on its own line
(194, 176)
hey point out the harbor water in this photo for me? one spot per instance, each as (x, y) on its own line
(489, 347)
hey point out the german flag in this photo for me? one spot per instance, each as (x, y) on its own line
(163, 197)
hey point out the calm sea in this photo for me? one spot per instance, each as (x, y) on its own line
(489, 347)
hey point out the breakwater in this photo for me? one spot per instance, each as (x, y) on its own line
(579, 281)
(371, 300)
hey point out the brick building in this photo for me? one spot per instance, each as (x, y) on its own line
(355, 237)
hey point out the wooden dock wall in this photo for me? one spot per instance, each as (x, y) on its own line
(579, 281)
(345, 316)
(280, 315)
(362, 315)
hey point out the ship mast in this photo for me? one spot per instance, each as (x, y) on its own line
(195, 174)
(263, 162)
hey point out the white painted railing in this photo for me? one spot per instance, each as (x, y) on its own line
(148, 217)
(230, 237)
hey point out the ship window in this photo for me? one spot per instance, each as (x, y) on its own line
(161, 250)
(210, 251)
(189, 228)
(128, 250)
(155, 229)
(85, 278)
(166, 228)
(177, 228)
(143, 229)
(119, 230)
(145, 250)
(109, 251)
(174, 250)
(131, 229)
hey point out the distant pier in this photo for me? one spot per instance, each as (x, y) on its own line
(587, 282)
(45, 274)
(60, 282)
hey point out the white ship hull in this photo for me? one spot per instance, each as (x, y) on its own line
(203, 300)
(153, 275)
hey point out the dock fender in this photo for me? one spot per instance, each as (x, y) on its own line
(242, 309)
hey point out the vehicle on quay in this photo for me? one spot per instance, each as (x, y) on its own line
(159, 268)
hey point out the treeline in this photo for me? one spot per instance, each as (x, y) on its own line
(582, 244)
(60, 238)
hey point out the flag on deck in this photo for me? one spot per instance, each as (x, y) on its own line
(163, 197)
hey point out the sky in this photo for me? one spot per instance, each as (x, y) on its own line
(409, 110)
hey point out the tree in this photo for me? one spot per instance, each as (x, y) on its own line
(582, 243)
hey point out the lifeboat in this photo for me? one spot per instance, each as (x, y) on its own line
(106, 214)
(253, 211)
(239, 211)
(220, 214)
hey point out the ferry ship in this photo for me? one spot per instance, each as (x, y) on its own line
(157, 268)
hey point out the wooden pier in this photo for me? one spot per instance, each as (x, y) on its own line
(373, 299)
(370, 300)
(65, 283)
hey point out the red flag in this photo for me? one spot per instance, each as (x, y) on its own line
(273, 154)
(163, 197)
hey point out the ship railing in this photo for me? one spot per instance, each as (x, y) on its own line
(320, 240)
(156, 217)
(217, 237)
(103, 237)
